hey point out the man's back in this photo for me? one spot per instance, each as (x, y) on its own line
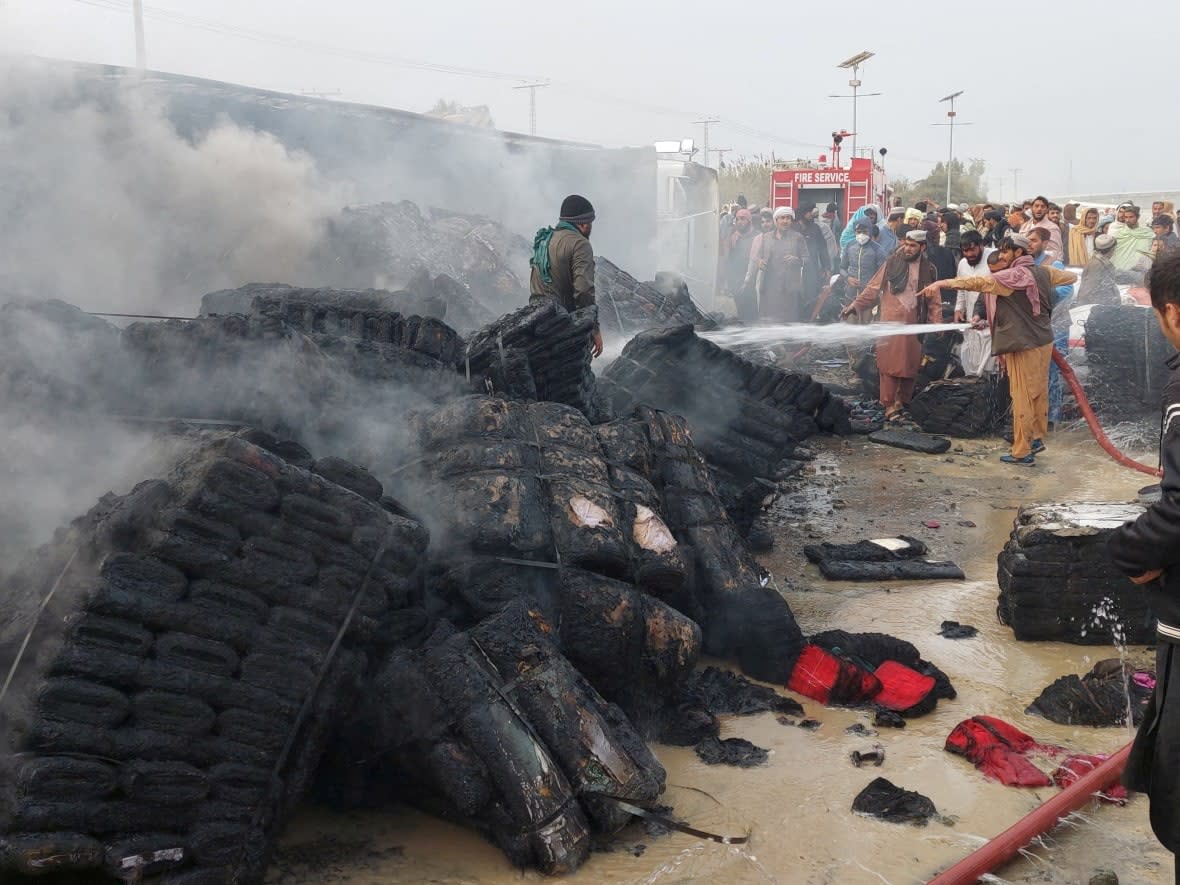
(571, 271)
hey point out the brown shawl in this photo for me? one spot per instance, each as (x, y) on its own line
(897, 273)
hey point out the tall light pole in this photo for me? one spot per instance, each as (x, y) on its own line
(532, 88)
(950, 156)
(140, 46)
(853, 64)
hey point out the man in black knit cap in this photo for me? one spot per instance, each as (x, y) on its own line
(563, 262)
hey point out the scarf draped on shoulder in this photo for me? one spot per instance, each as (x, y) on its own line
(540, 259)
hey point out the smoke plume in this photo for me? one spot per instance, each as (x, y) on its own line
(103, 204)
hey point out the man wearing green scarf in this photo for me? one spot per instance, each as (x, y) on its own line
(563, 262)
(1132, 249)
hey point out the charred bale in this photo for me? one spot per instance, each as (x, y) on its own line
(1126, 359)
(627, 306)
(199, 636)
(748, 419)
(557, 345)
(743, 618)
(967, 407)
(1057, 582)
(394, 241)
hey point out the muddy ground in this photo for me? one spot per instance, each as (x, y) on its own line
(796, 808)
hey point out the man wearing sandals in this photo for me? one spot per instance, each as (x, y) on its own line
(898, 287)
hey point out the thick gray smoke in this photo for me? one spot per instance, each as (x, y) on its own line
(105, 205)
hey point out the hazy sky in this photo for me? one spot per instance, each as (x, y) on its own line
(1078, 96)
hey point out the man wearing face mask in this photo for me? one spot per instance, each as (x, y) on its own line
(898, 285)
(563, 262)
(861, 260)
(776, 270)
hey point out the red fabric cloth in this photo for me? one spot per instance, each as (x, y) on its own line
(1001, 751)
(824, 677)
(1077, 765)
(902, 687)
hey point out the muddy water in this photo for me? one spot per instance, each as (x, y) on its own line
(797, 807)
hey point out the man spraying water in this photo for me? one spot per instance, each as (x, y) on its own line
(898, 287)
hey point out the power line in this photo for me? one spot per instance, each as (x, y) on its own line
(289, 42)
(297, 43)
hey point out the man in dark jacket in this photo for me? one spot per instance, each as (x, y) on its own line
(563, 262)
(1148, 551)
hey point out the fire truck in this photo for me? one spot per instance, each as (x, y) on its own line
(818, 181)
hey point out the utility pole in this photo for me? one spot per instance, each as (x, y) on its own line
(950, 157)
(720, 152)
(532, 88)
(853, 64)
(1015, 184)
(140, 45)
(709, 121)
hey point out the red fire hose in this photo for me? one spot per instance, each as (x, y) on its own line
(1092, 420)
(1007, 845)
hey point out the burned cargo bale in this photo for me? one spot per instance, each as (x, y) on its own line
(743, 618)
(1105, 696)
(523, 480)
(176, 665)
(627, 306)
(530, 510)
(262, 371)
(389, 243)
(348, 314)
(633, 648)
(1126, 361)
(495, 728)
(1057, 582)
(747, 418)
(964, 407)
(557, 346)
(356, 313)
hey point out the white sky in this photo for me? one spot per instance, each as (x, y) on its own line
(1078, 96)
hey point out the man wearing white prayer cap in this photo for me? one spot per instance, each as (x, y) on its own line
(776, 270)
(897, 286)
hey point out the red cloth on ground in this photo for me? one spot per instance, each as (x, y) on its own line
(1082, 763)
(1000, 751)
(824, 677)
(902, 687)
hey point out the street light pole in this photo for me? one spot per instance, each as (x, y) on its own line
(950, 155)
(853, 64)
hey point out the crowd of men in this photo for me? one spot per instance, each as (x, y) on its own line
(1002, 269)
